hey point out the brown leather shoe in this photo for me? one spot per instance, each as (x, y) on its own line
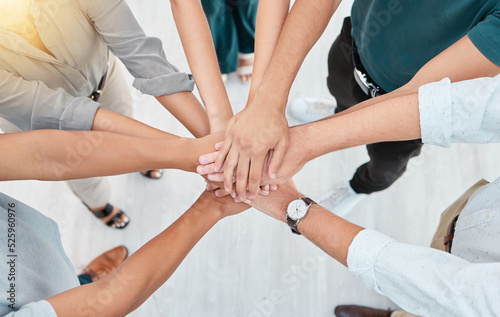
(106, 263)
(360, 311)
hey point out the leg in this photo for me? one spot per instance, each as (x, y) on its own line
(340, 81)
(388, 161)
(245, 16)
(223, 28)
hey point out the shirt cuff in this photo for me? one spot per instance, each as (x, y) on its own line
(435, 106)
(79, 115)
(165, 85)
(363, 253)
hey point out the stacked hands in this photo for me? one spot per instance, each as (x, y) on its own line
(256, 168)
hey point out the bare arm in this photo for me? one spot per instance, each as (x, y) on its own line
(127, 287)
(63, 155)
(271, 16)
(331, 233)
(188, 110)
(199, 48)
(262, 126)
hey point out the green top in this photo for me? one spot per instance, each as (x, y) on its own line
(395, 38)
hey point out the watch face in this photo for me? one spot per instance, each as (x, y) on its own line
(297, 209)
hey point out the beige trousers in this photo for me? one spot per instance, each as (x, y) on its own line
(442, 230)
(96, 192)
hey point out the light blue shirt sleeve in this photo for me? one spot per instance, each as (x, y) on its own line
(37, 309)
(462, 112)
(143, 56)
(425, 281)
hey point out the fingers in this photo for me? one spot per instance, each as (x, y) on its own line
(222, 155)
(208, 158)
(277, 159)
(254, 176)
(242, 177)
(229, 167)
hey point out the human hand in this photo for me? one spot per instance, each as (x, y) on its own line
(218, 188)
(295, 158)
(276, 203)
(249, 137)
(224, 206)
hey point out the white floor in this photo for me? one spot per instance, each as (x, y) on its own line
(239, 266)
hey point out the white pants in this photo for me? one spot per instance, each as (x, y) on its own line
(96, 192)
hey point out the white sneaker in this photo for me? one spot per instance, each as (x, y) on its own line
(341, 200)
(311, 109)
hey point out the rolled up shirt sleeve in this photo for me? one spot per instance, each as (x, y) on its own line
(462, 112)
(424, 281)
(143, 56)
(31, 105)
(36, 309)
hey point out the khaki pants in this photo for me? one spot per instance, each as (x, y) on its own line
(96, 192)
(442, 230)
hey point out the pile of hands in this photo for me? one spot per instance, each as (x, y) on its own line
(259, 152)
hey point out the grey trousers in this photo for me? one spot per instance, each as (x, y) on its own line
(95, 192)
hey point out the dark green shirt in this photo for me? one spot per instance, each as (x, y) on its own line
(395, 38)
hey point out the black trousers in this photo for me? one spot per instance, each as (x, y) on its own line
(388, 160)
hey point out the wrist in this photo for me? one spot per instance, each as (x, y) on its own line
(209, 207)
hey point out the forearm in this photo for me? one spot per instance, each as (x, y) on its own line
(145, 271)
(110, 121)
(200, 52)
(394, 119)
(329, 232)
(271, 17)
(187, 109)
(304, 25)
(63, 155)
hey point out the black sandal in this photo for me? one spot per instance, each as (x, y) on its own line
(150, 172)
(113, 222)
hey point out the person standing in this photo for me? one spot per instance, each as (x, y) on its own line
(232, 24)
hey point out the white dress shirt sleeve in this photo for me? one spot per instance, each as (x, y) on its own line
(425, 281)
(142, 55)
(31, 105)
(462, 112)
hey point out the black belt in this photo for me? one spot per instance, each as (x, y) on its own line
(96, 94)
(365, 82)
(448, 239)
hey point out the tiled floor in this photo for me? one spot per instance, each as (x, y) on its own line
(243, 261)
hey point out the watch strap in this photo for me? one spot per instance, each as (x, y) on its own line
(308, 201)
(293, 225)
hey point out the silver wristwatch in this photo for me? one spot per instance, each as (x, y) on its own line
(296, 211)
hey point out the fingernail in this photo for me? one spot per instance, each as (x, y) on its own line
(233, 194)
(251, 197)
(218, 146)
(217, 194)
(265, 193)
(273, 176)
(274, 187)
(247, 201)
(227, 189)
(216, 169)
(234, 179)
(206, 187)
(203, 159)
(211, 177)
(201, 169)
(266, 188)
